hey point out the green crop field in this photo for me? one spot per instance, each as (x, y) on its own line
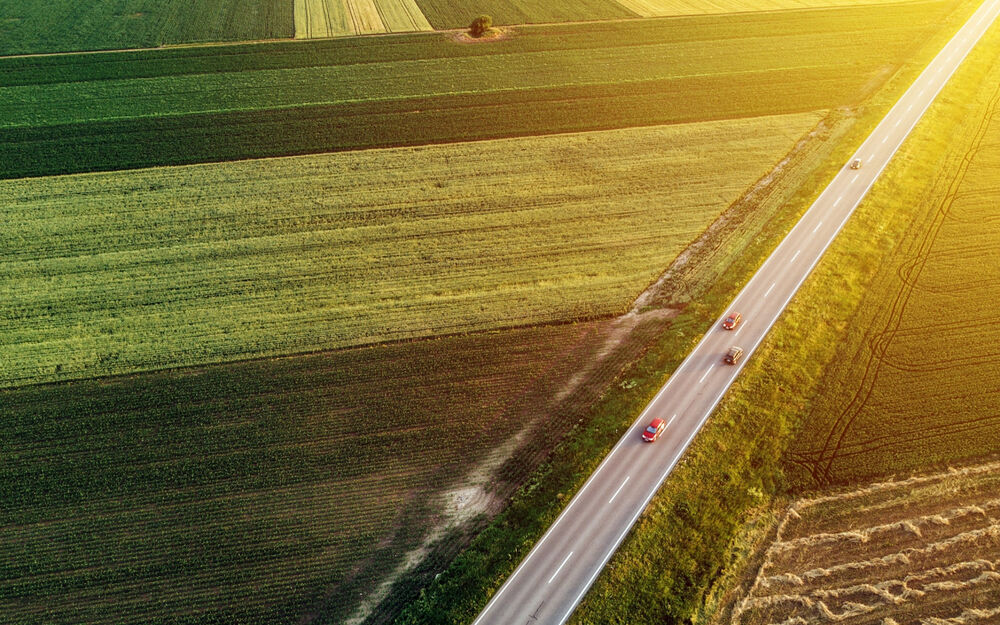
(915, 380)
(111, 273)
(458, 13)
(34, 26)
(127, 110)
(260, 492)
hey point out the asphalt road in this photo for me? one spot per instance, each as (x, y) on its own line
(550, 582)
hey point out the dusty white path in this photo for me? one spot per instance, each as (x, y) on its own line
(549, 583)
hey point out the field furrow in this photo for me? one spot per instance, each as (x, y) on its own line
(178, 266)
(885, 565)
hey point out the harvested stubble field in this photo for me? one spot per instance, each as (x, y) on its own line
(41, 26)
(659, 8)
(112, 273)
(915, 382)
(917, 551)
(337, 18)
(128, 110)
(267, 491)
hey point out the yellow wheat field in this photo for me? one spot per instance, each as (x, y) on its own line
(316, 19)
(659, 8)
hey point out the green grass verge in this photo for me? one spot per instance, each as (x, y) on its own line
(697, 524)
(34, 26)
(117, 272)
(127, 110)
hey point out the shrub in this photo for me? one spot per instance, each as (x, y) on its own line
(481, 25)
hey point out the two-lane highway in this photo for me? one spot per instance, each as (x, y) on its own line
(550, 582)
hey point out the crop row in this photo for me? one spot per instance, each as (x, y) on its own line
(924, 546)
(150, 108)
(179, 266)
(245, 535)
(35, 26)
(926, 325)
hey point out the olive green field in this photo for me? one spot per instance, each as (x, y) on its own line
(119, 272)
(327, 331)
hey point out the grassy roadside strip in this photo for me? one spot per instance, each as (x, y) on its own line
(717, 500)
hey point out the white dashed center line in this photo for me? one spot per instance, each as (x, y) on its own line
(837, 201)
(885, 138)
(909, 108)
(768, 291)
(795, 256)
(612, 499)
(817, 226)
(560, 567)
(898, 122)
(668, 423)
(704, 376)
(855, 178)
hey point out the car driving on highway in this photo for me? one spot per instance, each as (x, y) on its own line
(653, 430)
(732, 321)
(856, 163)
(733, 355)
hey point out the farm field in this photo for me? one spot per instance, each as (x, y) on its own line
(914, 383)
(129, 110)
(335, 18)
(262, 492)
(920, 550)
(112, 273)
(459, 13)
(34, 26)
(764, 439)
(660, 8)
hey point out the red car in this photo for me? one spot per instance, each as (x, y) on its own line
(732, 321)
(653, 430)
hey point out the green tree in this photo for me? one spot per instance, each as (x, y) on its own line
(480, 26)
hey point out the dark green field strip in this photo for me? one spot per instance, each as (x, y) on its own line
(127, 144)
(40, 26)
(458, 13)
(247, 493)
(850, 51)
(188, 114)
(34, 70)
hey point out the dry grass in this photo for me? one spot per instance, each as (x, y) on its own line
(864, 557)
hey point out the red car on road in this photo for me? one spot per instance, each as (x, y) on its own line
(732, 321)
(653, 430)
